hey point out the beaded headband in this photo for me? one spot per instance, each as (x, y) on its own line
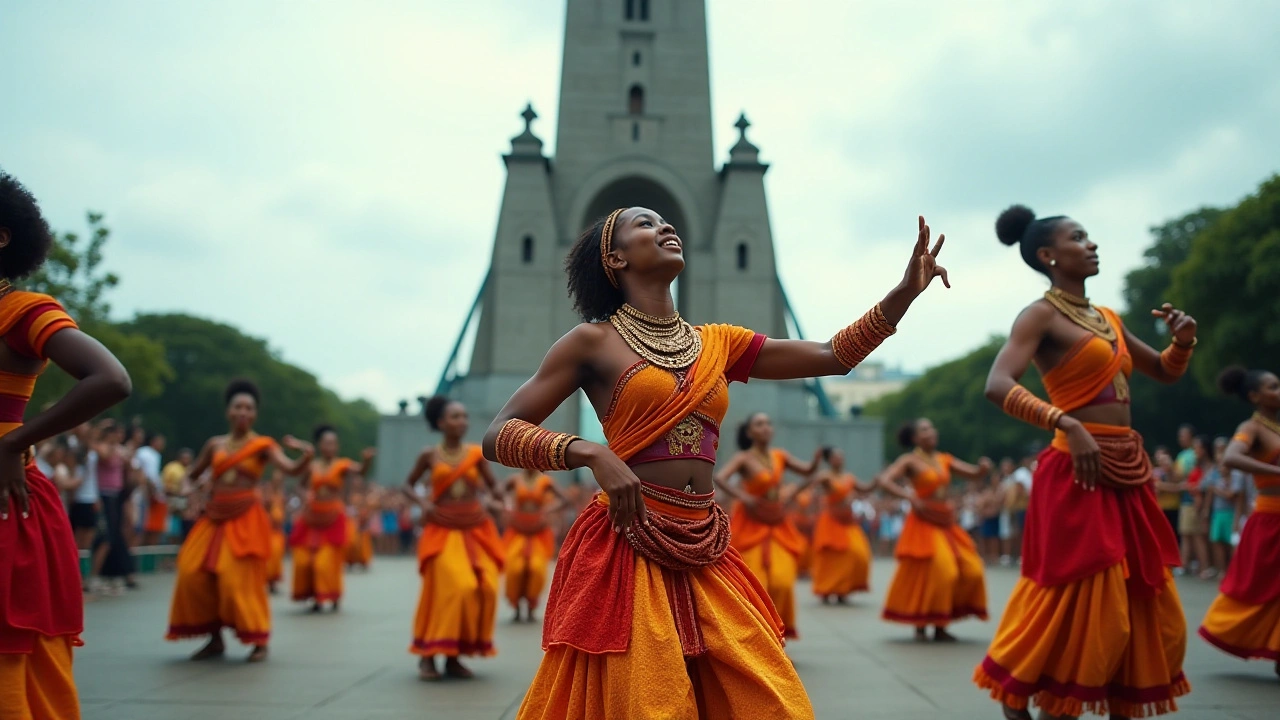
(606, 244)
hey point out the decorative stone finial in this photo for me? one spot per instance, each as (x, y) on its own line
(743, 152)
(526, 143)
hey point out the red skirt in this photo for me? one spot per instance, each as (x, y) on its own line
(40, 591)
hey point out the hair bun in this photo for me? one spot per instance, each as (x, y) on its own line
(1231, 381)
(1013, 223)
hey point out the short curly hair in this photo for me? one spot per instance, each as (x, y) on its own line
(594, 297)
(242, 386)
(29, 235)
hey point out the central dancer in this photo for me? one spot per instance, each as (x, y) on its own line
(651, 614)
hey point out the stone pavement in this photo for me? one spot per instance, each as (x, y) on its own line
(354, 665)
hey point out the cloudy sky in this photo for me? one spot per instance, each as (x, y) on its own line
(327, 175)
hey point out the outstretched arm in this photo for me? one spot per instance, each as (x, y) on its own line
(888, 479)
(560, 375)
(1169, 365)
(724, 478)
(968, 470)
(287, 465)
(792, 359)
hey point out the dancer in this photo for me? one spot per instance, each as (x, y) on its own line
(276, 502)
(651, 614)
(359, 550)
(222, 566)
(530, 541)
(841, 550)
(41, 604)
(459, 553)
(1244, 620)
(319, 538)
(760, 519)
(1094, 624)
(940, 576)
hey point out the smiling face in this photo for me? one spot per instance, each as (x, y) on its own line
(643, 244)
(926, 435)
(454, 421)
(1071, 254)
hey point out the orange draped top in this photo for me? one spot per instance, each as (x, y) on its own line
(333, 476)
(1249, 437)
(648, 402)
(27, 321)
(748, 530)
(482, 537)
(242, 519)
(1093, 371)
(832, 529)
(535, 493)
(39, 570)
(840, 488)
(917, 538)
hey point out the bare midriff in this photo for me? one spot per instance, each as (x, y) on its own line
(678, 474)
(1116, 414)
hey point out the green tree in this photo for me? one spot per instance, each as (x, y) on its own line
(73, 275)
(1159, 409)
(206, 355)
(1230, 282)
(952, 396)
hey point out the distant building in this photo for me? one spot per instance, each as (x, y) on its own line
(869, 381)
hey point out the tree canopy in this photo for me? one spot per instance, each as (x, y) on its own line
(1220, 265)
(181, 364)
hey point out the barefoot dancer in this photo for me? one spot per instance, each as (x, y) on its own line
(459, 554)
(222, 567)
(763, 533)
(319, 538)
(841, 550)
(651, 614)
(41, 602)
(940, 577)
(1245, 618)
(1094, 624)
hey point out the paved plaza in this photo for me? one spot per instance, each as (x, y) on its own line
(354, 665)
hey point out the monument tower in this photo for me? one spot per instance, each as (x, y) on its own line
(634, 128)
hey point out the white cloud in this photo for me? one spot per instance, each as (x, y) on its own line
(343, 161)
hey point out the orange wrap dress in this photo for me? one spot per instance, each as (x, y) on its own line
(768, 540)
(222, 566)
(1094, 624)
(276, 511)
(41, 601)
(530, 542)
(359, 550)
(841, 550)
(319, 538)
(459, 558)
(1244, 620)
(940, 576)
(636, 633)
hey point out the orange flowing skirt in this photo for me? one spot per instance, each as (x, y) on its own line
(528, 557)
(359, 549)
(39, 685)
(1089, 646)
(458, 605)
(222, 579)
(940, 577)
(744, 673)
(841, 557)
(275, 563)
(773, 553)
(1244, 620)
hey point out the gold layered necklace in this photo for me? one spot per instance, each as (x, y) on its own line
(450, 457)
(5, 288)
(931, 458)
(1267, 422)
(1081, 312)
(669, 343)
